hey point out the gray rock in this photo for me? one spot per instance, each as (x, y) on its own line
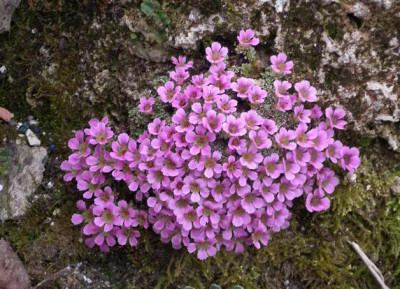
(32, 138)
(396, 186)
(23, 175)
(12, 272)
(7, 8)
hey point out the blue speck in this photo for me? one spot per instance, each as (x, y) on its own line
(36, 129)
(23, 128)
(52, 147)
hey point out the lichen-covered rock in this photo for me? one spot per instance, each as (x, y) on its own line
(23, 174)
(7, 8)
(12, 272)
(348, 49)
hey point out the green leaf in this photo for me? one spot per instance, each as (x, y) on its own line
(165, 19)
(215, 286)
(134, 36)
(146, 9)
(237, 287)
(189, 287)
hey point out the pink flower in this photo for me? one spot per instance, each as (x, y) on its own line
(334, 118)
(210, 165)
(216, 53)
(100, 161)
(232, 168)
(179, 75)
(301, 136)
(200, 140)
(260, 139)
(305, 91)
(250, 158)
(181, 101)
(251, 201)
(73, 169)
(127, 234)
(171, 165)
(301, 114)
(182, 121)
(316, 158)
(272, 168)
(327, 181)
(233, 126)
(290, 169)
(350, 159)
(146, 105)
(316, 112)
(199, 81)
(279, 64)
(156, 126)
(222, 82)
(199, 112)
(168, 92)
(257, 95)
(281, 87)
(193, 93)
(319, 139)
(226, 104)
(80, 145)
(196, 186)
(242, 86)
(284, 103)
(251, 119)
(237, 144)
(181, 62)
(187, 219)
(317, 202)
(239, 216)
(260, 235)
(107, 216)
(120, 147)
(270, 126)
(284, 137)
(247, 39)
(333, 152)
(210, 94)
(99, 133)
(213, 121)
(104, 197)
(127, 214)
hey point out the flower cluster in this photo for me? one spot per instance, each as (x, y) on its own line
(223, 171)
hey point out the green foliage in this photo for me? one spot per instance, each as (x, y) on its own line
(153, 9)
(4, 164)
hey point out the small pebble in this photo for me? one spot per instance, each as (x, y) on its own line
(50, 185)
(1, 188)
(32, 138)
(3, 69)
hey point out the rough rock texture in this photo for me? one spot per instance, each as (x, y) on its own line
(7, 8)
(23, 175)
(12, 272)
(348, 49)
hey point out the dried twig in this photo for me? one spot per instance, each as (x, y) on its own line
(371, 266)
(53, 277)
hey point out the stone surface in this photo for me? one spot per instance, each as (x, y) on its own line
(12, 272)
(32, 138)
(23, 174)
(396, 186)
(343, 47)
(7, 8)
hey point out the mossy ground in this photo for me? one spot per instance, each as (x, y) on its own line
(313, 253)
